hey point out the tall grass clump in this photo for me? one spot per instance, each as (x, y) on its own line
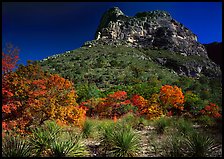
(120, 140)
(161, 124)
(199, 145)
(184, 126)
(15, 146)
(173, 146)
(70, 146)
(42, 137)
(87, 128)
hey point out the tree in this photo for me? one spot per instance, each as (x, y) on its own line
(10, 57)
(39, 96)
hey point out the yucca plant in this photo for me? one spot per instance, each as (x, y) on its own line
(120, 141)
(69, 147)
(125, 143)
(43, 136)
(15, 146)
(199, 145)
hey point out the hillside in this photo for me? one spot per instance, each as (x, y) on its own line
(112, 60)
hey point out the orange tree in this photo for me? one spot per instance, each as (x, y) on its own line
(114, 105)
(148, 108)
(38, 96)
(172, 98)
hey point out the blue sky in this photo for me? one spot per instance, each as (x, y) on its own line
(42, 29)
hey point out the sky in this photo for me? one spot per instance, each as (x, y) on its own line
(42, 29)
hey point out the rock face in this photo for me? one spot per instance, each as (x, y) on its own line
(155, 29)
(214, 51)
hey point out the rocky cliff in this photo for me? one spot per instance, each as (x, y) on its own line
(154, 29)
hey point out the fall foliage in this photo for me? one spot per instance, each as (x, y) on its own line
(36, 96)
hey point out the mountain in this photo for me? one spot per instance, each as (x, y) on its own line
(214, 51)
(133, 49)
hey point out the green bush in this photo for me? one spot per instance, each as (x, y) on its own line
(193, 103)
(173, 146)
(86, 91)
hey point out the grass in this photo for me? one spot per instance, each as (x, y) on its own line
(184, 126)
(115, 139)
(87, 128)
(14, 146)
(72, 146)
(120, 140)
(161, 124)
(199, 145)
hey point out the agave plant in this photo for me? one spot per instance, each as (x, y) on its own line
(14, 146)
(125, 143)
(199, 145)
(120, 141)
(70, 147)
(43, 136)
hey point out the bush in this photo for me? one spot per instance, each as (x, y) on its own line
(87, 91)
(193, 103)
(174, 146)
(171, 98)
(39, 96)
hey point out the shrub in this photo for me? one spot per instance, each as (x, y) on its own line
(193, 103)
(211, 110)
(87, 128)
(37, 97)
(87, 91)
(171, 98)
(184, 126)
(173, 146)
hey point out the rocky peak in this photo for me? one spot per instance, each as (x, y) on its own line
(153, 29)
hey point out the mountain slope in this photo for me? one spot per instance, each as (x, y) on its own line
(107, 66)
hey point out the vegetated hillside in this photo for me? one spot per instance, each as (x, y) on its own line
(111, 68)
(108, 66)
